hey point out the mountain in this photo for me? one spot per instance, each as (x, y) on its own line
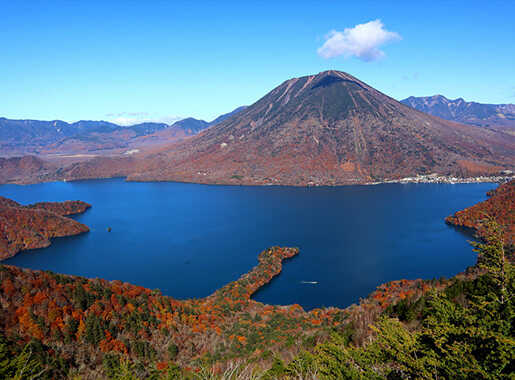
(327, 129)
(191, 125)
(324, 129)
(29, 137)
(195, 125)
(496, 116)
(47, 132)
(227, 115)
(56, 136)
(16, 169)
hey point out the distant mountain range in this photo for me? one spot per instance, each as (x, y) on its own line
(500, 117)
(20, 137)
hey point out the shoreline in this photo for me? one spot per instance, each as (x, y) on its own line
(431, 178)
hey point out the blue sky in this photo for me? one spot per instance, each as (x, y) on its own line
(159, 60)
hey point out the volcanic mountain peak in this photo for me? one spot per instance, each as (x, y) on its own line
(326, 97)
(323, 79)
(330, 128)
(330, 73)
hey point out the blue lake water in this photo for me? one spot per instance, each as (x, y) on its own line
(188, 240)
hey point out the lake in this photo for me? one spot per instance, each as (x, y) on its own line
(188, 239)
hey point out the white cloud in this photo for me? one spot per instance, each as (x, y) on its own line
(362, 41)
(131, 118)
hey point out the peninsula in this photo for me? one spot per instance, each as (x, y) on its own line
(33, 226)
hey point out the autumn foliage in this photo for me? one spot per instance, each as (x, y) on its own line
(500, 206)
(82, 320)
(93, 325)
(32, 226)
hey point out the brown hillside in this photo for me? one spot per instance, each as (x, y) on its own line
(30, 227)
(500, 206)
(328, 129)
